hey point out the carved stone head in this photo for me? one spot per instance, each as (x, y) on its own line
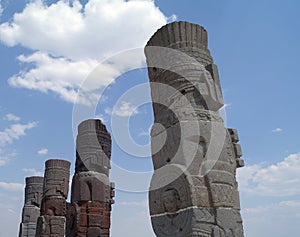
(93, 147)
(171, 200)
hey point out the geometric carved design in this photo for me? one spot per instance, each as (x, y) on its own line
(237, 148)
(51, 223)
(88, 214)
(193, 190)
(31, 209)
(46, 212)
(93, 147)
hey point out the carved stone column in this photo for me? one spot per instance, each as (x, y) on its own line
(92, 193)
(52, 221)
(193, 191)
(31, 209)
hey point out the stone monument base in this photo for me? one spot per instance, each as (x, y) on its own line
(200, 222)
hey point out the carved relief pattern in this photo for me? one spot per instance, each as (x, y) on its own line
(196, 203)
(92, 193)
(51, 223)
(31, 209)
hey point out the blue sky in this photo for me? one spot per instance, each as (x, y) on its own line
(50, 50)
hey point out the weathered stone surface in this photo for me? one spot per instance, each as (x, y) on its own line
(91, 186)
(56, 182)
(203, 222)
(30, 214)
(189, 38)
(50, 226)
(31, 209)
(51, 223)
(193, 191)
(34, 190)
(88, 214)
(53, 206)
(93, 147)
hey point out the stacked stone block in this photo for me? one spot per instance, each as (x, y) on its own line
(32, 204)
(92, 193)
(193, 191)
(51, 222)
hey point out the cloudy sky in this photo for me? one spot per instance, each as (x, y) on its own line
(64, 61)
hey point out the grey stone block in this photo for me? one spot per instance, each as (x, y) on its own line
(193, 190)
(205, 222)
(32, 203)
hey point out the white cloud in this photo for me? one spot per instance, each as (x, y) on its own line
(108, 111)
(273, 219)
(43, 151)
(277, 180)
(277, 130)
(172, 18)
(76, 40)
(96, 29)
(101, 117)
(5, 157)
(33, 171)
(126, 109)
(8, 135)
(272, 207)
(65, 80)
(14, 132)
(12, 186)
(12, 117)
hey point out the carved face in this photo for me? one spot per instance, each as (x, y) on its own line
(171, 200)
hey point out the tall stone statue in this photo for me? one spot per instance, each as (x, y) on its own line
(89, 211)
(193, 190)
(32, 204)
(52, 221)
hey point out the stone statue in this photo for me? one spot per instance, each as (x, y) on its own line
(89, 211)
(193, 191)
(31, 209)
(51, 222)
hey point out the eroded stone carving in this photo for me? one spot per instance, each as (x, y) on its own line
(193, 191)
(31, 209)
(46, 212)
(92, 193)
(52, 221)
(171, 200)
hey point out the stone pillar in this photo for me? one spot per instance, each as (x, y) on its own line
(31, 209)
(193, 190)
(52, 221)
(92, 193)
